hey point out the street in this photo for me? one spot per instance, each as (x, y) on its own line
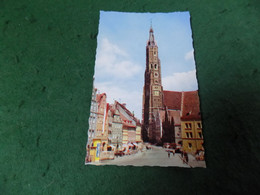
(157, 156)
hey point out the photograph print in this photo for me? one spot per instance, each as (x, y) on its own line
(145, 107)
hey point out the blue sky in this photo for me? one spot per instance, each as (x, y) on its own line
(120, 60)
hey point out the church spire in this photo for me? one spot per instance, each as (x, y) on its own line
(151, 37)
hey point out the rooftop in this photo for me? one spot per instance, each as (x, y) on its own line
(191, 106)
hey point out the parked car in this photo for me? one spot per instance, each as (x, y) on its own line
(119, 153)
(166, 145)
(173, 146)
(178, 149)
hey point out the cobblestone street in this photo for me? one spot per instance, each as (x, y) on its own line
(157, 156)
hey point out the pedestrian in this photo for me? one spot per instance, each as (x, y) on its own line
(183, 156)
(197, 155)
(169, 154)
(186, 157)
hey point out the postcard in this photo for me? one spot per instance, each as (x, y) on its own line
(145, 107)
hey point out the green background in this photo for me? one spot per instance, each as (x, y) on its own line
(47, 55)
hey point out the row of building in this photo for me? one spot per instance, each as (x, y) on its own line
(112, 128)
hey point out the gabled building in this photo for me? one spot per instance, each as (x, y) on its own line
(117, 128)
(92, 125)
(93, 115)
(131, 125)
(138, 136)
(191, 125)
(102, 121)
(98, 141)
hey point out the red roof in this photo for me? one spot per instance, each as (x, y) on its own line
(112, 109)
(128, 112)
(126, 122)
(191, 106)
(99, 97)
(172, 99)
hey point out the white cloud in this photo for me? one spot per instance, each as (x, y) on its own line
(133, 98)
(189, 55)
(182, 81)
(113, 60)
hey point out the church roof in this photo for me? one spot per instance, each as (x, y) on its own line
(191, 106)
(172, 99)
(186, 102)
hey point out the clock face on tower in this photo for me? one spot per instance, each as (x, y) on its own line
(156, 74)
(156, 93)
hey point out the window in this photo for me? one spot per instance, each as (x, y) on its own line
(189, 135)
(155, 66)
(199, 125)
(200, 135)
(190, 145)
(188, 125)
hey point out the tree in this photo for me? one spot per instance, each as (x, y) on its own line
(144, 133)
(168, 130)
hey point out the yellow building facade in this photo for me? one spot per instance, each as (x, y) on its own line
(192, 138)
(99, 142)
(138, 137)
(125, 136)
(95, 150)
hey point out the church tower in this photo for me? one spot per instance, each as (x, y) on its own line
(152, 93)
